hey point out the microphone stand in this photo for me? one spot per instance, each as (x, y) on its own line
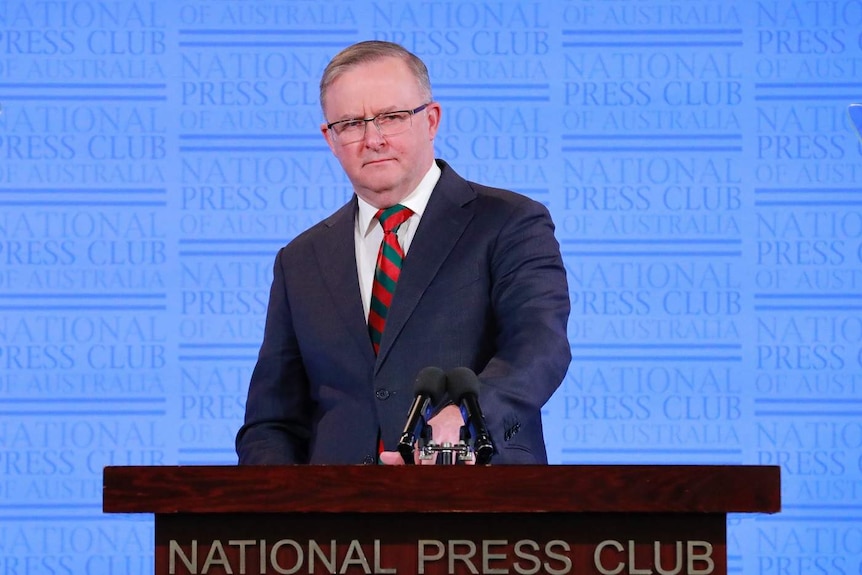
(447, 453)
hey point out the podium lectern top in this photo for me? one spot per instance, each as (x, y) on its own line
(443, 489)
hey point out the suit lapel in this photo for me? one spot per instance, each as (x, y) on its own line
(444, 221)
(336, 259)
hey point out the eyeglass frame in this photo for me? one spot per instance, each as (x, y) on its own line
(373, 119)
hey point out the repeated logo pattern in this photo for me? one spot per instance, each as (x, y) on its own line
(697, 158)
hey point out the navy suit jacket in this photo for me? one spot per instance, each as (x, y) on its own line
(482, 286)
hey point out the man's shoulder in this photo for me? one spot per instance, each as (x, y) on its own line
(344, 216)
(485, 194)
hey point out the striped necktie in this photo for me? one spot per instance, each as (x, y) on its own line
(387, 271)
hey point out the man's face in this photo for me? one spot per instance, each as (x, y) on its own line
(383, 169)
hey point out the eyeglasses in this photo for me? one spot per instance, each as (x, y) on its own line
(387, 123)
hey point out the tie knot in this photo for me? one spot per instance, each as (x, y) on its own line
(391, 218)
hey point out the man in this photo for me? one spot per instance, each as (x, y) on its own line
(855, 111)
(481, 285)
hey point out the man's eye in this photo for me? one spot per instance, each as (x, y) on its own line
(391, 118)
(352, 125)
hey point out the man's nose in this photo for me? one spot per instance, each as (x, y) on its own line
(373, 137)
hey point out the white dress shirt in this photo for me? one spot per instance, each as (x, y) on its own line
(368, 233)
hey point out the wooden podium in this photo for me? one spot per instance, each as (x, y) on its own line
(566, 519)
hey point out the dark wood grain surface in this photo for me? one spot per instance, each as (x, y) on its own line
(503, 489)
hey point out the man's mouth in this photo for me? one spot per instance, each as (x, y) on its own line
(377, 161)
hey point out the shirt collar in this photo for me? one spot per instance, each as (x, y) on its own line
(416, 200)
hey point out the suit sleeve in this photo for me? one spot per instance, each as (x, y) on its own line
(531, 309)
(278, 410)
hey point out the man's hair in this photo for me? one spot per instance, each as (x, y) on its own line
(372, 51)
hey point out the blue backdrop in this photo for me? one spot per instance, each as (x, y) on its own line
(696, 155)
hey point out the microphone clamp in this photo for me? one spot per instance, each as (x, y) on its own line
(451, 452)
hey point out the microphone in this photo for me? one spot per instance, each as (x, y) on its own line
(429, 386)
(464, 389)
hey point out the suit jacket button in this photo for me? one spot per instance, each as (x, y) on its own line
(382, 394)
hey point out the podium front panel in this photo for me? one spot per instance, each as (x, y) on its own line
(441, 543)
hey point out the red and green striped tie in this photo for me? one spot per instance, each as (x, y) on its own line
(387, 271)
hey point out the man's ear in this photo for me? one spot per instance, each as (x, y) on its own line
(433, 111)
(855, 111)
(327, 135)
